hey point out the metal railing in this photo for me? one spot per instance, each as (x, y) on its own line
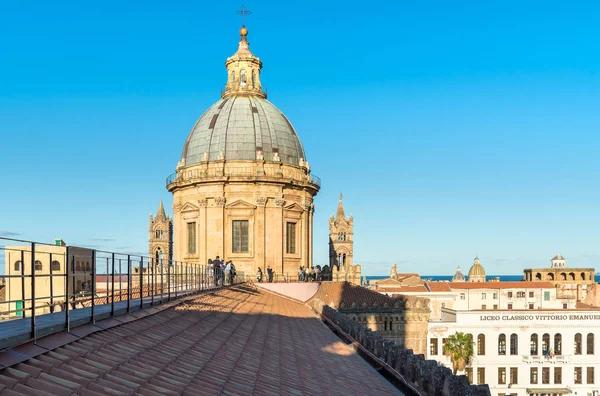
(199, 174)
(50, 288)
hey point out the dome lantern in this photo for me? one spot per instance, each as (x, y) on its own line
(243, 71)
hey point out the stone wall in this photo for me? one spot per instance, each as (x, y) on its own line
(430, 377)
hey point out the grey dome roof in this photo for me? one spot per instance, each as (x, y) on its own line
(237, 127)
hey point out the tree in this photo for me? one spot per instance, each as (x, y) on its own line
(459, 347)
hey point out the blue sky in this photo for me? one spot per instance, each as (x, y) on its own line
(452, 128)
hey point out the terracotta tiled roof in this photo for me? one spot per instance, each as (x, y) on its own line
(501, 285)
(239, 341)
(402, 289)
(336, 293)
(438, 286)
(581, 305)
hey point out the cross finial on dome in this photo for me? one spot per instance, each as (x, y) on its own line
(243, 11)
(341, 196)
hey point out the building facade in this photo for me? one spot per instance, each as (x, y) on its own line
(243, 188)
(341, 247)
(48, 263)
(518, 353)
(570, 282)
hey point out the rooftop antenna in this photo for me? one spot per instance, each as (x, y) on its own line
(243, 12)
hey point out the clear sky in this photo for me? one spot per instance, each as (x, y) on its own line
(452, 128)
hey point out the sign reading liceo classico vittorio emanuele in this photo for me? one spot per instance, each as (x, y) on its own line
(539, 317)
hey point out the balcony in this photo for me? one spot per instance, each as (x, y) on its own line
(199, 174)
(560, 359)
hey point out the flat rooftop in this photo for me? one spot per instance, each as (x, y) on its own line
(236, 341)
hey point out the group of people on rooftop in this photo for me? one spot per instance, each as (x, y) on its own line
(313, 275)
(270, 273)
(220, 271)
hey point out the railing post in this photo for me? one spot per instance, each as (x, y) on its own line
(112, 290)
(175, 279)
(51, 287)
(67, 302)
(169, 281)
(93, 286)
(33, 329)
(128, 284)
(153, 283)
(23, 306)
(162, 282)
(141, 282)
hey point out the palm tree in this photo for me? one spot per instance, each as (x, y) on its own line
(459, 347)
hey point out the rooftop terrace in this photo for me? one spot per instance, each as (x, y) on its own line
(235, 341)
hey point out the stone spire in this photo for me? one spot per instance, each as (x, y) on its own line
(340, 211)
(243, 71)
(161, 211)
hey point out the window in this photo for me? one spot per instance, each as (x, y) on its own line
(483, 306)
(509, 294)
(88, 267)
(18, 265)
(557, 375)
(462, 296)
(495, 306)
(545, 343)
(577, 344)
(578, 375)
(480, 375)
(159, 234)
(483, 296)
(481, 344)
(590, 375)
(37, 265)
(509, 306)
(546, 296)
(558, 344)
(495, 296)
(565, 306)
(240, 236)
(444, 342)
(531, 294)
(533, 375)
(55, 266)
(469, 374)
(590, 344)
(501, 344)
(514, 375)
(533, 344)
(521, 294)
(191, 240)
(514, 344)
(433, 346)
(253, 79)
(290, 241)
(443, 305)
(545, 375)
(501, 376)
(530, 306)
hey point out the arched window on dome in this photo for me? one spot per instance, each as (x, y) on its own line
(253, 79)
(243, 78)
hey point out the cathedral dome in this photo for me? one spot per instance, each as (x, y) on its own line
(477, 273)
(243, 127)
